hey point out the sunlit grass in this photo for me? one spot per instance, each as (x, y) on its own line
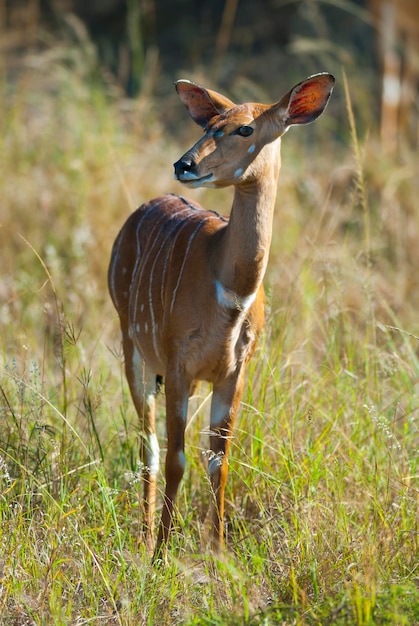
(322, 500)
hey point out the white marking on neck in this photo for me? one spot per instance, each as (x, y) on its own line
(230, 300)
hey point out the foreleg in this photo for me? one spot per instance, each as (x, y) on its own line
(224, 407)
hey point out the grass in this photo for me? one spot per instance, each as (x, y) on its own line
(322, 511)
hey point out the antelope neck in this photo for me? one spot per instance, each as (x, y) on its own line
(244, 252)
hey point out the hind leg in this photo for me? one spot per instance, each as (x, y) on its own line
(142, 384)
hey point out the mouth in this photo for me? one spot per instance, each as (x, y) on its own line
(191, 180)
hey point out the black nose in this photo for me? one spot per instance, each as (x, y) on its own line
(185, 164)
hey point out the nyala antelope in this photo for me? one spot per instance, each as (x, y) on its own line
(187, 283)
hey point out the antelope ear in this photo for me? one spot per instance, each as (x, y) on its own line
(202, 104)
(307, 100)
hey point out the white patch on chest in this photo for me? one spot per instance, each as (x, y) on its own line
(230, 300)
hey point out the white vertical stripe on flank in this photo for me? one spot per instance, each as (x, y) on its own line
(178, 228)
(191, 238)
(163, 247)
(140, 266)
(137, 235)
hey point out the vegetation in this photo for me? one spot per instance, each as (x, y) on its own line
(322, 515)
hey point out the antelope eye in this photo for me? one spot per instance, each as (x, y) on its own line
(244, 131)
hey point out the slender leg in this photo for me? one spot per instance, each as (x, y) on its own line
(142, 384)
(177, 393)
(224, 407)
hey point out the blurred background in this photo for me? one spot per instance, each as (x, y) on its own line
(132, 45)
(225, 40)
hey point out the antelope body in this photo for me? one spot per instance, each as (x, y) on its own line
(187, 283)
